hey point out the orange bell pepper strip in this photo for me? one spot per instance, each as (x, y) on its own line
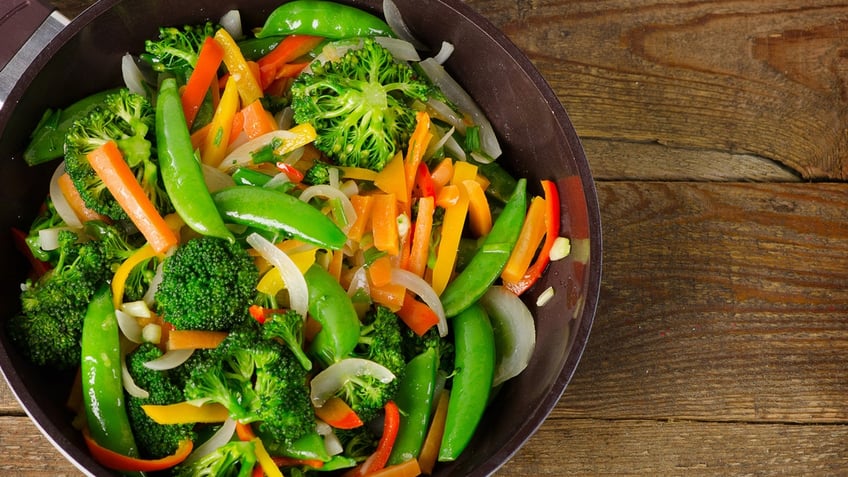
(408, 468)
(418, 142)
(338, 414)
(392, 179)
(420, 248)
(205, 72)
(417, 315)
(218, 138)
(108, 162)
(115, 461)
(532, 232)
(256, 120)
(362, 204)
(380, 271)
(195, 339)
(552, 218)
(248, 84)
(384, 227)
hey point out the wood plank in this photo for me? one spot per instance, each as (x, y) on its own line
(28, 453)
(719, 302)
(738, 77)
(578, 447)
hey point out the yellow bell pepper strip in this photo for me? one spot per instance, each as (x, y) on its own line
(552, 225)
(529, 239)
(272, 282)
(392, 179)
(116, 461)
(186, 413)
(358, 173)
(202, 77)
(454, 222)
(119, 280)
(248, 84)
(218, 138)
(479, 214)
(301, 135)
(269, 467)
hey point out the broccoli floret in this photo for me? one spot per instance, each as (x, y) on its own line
(360, 105)
(49, 328)
(319, 173)
(154, 440)
(118, 246)
(48, 218)
(126, 118)
(177, 49)
(258, 381)
(288, 327)
(233, 459)
(207, 284)
(413, 345)
(380, 341)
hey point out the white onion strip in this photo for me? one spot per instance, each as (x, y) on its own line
(231, 21)
(223, 435)
(133, 78)
(241, 156)
(420, 287)
(444, 53)
(170, 359)
(515, 332)
(129, 326)
(129, 384)
(326, 383)
(48, 239)
(453, 91)
(399, 48)
(395, 21)
(329, 192)
(63, 208)
(291, 275)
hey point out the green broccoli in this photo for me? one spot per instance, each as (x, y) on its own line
(233, 459)
(319, 173)
(154, 440)
(207, 284)
(49, 327)
(118, 246)
(380, 341)
(360, 105)
(126, 118)
(288, 327)
(258, 381)
(413, 345)
(47, 218)
(177, 49)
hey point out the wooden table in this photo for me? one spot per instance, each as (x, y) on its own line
(717, 132)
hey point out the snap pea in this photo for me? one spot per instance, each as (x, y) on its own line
(501, 183)
(103, 392)
(276, 211)
(309, 447)
(322, 18)
(181, 171)
(330, 306)
(255, 48)
(415, 400)
(488, 262)
(474, 369)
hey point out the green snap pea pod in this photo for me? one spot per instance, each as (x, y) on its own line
(277, 211)
(415, 401)
(330, 306)
(322, 18)
(474, 369)
(103, 391)
(181, 171)
(255, 48)
(501, 183)
(309, 447)
(486, 265)
(48, 139)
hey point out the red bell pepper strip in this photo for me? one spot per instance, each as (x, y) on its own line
(208, 61)
(552, 218)
(378, 459)
(424, 182)
(289, 170)
(116, 461)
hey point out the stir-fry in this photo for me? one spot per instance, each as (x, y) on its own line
(285, 250)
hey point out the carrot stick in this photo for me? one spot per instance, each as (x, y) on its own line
(380, 271)
(277, 63)
(529, 239)
(194, 339)
(362, 204)
(384, 223)
(198, 137)
(391, 295)
(421, 136)
(71, 194)
(206, 70)
(420, 250)
(417, 315)
(430, 448)
(409, 468)
(108, 162)
(257, 121)
(335, 266)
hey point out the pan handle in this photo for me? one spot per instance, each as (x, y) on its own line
(27, 26)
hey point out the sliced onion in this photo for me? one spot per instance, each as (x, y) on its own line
(292, 277)
(442, 136)
(444, 53)
(349, 188)
(216, 179)
(240, 156)
(223, 435)
(329, 381)
(545, 297)
(515, 332)
(395, 21)
(150, 295)
(447, 114)
(170, 359)
(129, 326)
(129, 383)
(152, 333)
(231, 21)
(454, 92)
(329, 192)
(133, 78)
(138, 309)
(63, 208)
(455, 150)
(420, 287)
(48, 239)
(560, 249)
(359, 281)
(285, 118)
(399, 48)
(332, 444)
